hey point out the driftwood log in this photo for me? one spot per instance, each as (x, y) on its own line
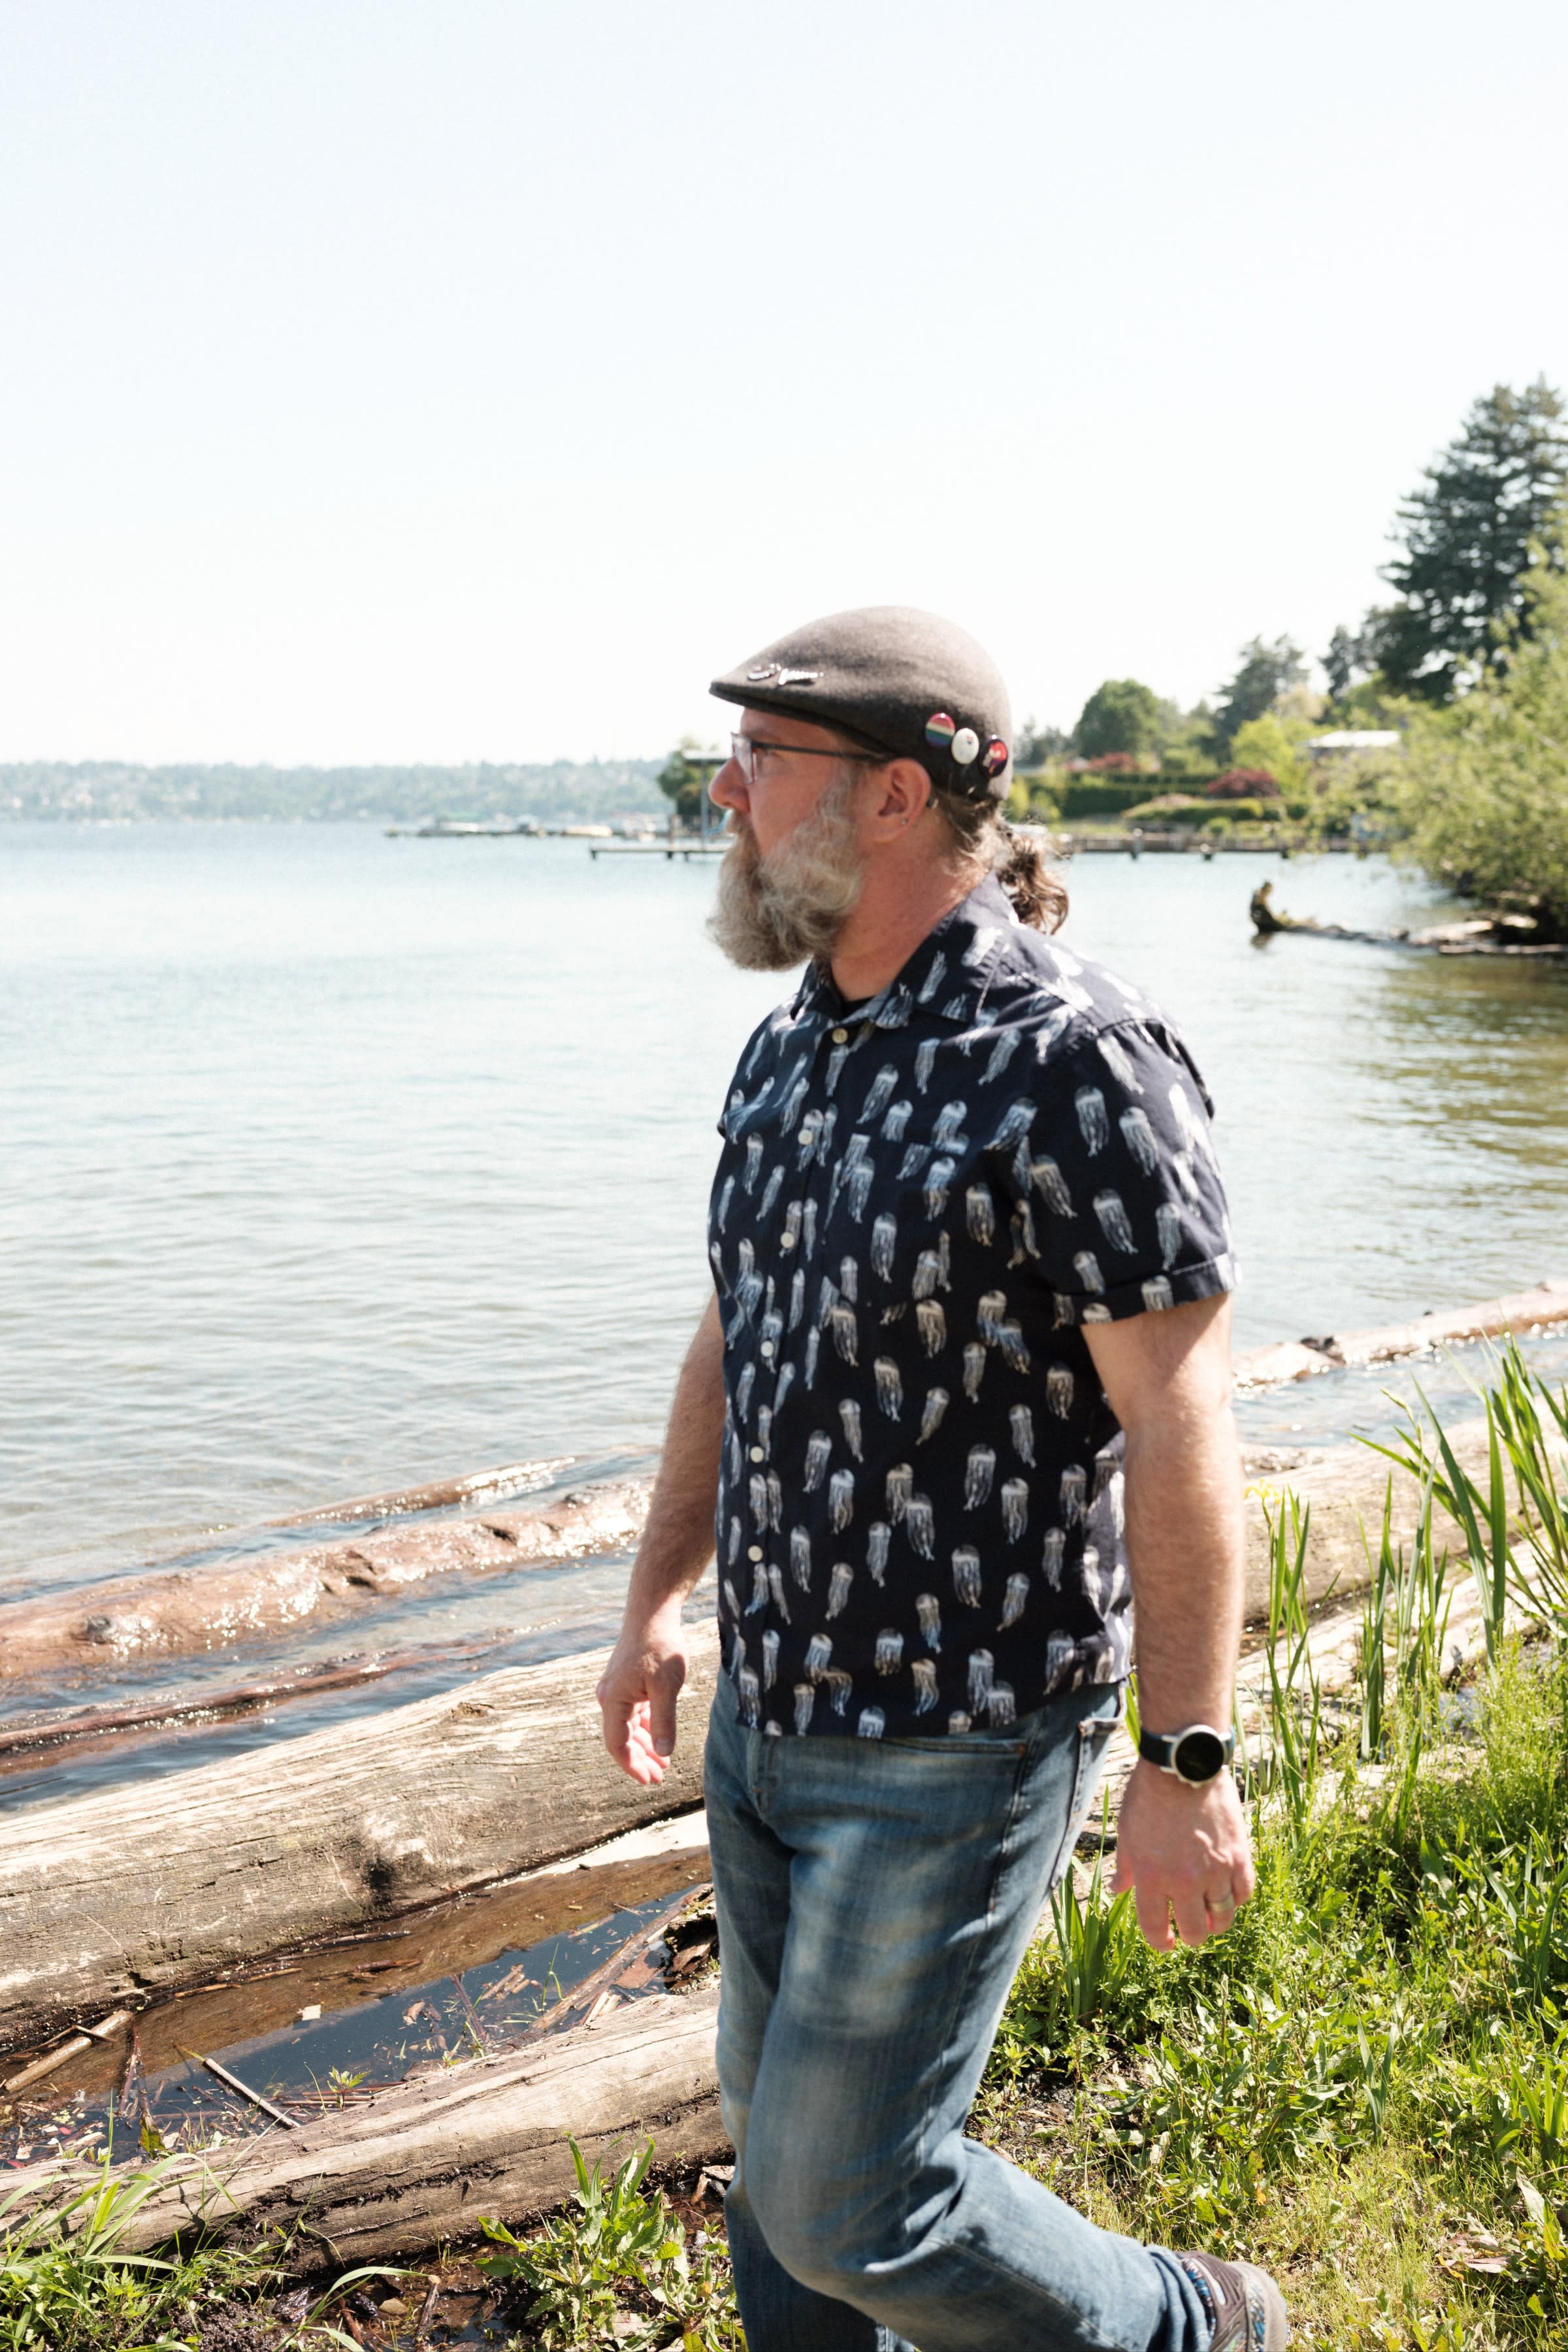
(105, 1901)
(202, 1608)
(162, 1884)
(1301, 1360)
(422, 2162)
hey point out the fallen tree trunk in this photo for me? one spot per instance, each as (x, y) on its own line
(163, 1884)
(1300, 1360)
(419, 2163)
(204, 1609)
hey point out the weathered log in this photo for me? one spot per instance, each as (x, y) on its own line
(1293, 1360)
(423, 2161)
(204, 1609)
(105, 1899)
(436, 1495)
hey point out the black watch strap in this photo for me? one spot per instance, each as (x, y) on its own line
(1198, 1755)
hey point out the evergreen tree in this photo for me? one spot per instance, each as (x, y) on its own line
(1468, 533)
(1266, 673)
(686, 782)
(1123, 715)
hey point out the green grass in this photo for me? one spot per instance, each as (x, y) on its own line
(1364, 2085)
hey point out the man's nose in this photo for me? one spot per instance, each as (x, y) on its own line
(728, 789)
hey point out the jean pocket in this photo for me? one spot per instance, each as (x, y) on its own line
(1092, 1739)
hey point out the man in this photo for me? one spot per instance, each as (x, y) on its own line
(962, 1394)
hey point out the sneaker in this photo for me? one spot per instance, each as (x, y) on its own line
(1246, 2309)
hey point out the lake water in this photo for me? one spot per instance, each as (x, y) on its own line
(335, 1161)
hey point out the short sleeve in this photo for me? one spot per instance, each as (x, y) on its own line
(1127, 1204)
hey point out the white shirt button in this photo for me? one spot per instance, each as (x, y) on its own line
(754, 1551)
(766, 1348)
(841, 1036)
(786, 1241)
(756, 1452)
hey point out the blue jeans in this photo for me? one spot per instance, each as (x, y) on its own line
(875, 1898)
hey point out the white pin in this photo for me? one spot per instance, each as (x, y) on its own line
(965, 748)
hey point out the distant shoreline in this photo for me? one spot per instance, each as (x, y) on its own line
(121, 791)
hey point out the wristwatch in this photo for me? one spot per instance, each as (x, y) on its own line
(1198, 1755)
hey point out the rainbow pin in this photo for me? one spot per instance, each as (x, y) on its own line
(941, 728)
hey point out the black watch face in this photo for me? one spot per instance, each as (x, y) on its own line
(1199, 1754)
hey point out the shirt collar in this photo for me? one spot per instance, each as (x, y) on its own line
(947, 976)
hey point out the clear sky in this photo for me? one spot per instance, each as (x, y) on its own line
(396, 379)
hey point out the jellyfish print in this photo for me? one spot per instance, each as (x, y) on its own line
(770, 1659)
(872, 1723)
(1051, 1185)
(890, 1387)
(884, 1241)
(879, 1542)
(806, 1139)
(1113, 1221)
(1014, 1508)
(890, 1652)
(849, 1415)
(771, 1189)
(1014, 1352)
(990, 1308)
(750, 1692)
(932, 1324)
(776, 1593)
(785, 1382)
(925, 1062)
(792, 1103)
(898, 1118)
(1093, 1124)
(966, 1576)
(1061, 1650)
(1002, 1053)
(826, 1298)
(839, 1685)
(825, 1135)
(841, 1499)
(927, 1274)
(840, 1579)
(1021, 1424)
(924, 1676)
(716, 1260)
(746, 1258)
(958, 1723)
(1059, 1387)
(770, 1331)
(726, 1194)
(1073, 1486)
(800, 1558)
(761, 1591)
(1182, 1161)
(734, 1456)
(933, 981)
(1001, 1706)
(957, 1009)
(930, 1413)
(1139, 1137)
(733, 1541)
(1115, 1060)
(944, 1259)
(982, 1668)
(846, 1337)
(980, 1215)
(913, 1161)
(1089, 1575)
(880, 1093)
(979, 1472)
(732, 1599)
(765, 1427)
(849, 1279)
(927, 1616)
(974, 1369)
(948, 1123)
(1052, 1557)
(757, 1496)
(919, 1523)
(1014, 1599)
(753, 1167)
(818, 1656)
(775, 1501)
(1086, 1266)
(861, 1177)
(1022, 1231)
(939, 1176)
(835, 1061)
(901, 1487)
(737, 1653)
(1158, 1294)
(804, 1708)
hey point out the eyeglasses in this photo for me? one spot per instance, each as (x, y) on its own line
(746, 751)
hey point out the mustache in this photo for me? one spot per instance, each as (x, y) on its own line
(787, 907)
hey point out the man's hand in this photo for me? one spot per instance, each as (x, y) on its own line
(1185, 1852)
(637, 1692)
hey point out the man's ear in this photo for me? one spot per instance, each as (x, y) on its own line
(903, 793)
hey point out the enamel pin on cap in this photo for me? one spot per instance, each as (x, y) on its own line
(965, 747)
(996, 756)
(940, 730)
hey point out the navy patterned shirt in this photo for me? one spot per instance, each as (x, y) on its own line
(921, 1201)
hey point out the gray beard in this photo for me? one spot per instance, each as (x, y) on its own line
(773, 913)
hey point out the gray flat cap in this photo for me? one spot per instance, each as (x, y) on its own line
(899, 681)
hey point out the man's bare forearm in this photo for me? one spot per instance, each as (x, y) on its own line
(1184, 1546)
(677, 1541)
